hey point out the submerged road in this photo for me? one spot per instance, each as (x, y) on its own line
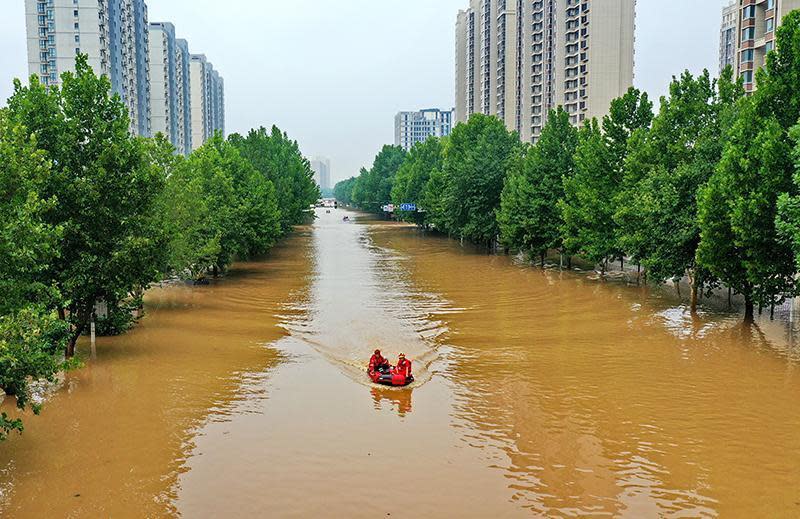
(538, 393)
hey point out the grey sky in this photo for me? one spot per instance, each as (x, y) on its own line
(333, 74)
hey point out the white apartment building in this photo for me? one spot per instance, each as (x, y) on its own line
(207, 100)
(183, 103)
(728, 36)
(519, 59)
(754, 23)
(163, 81)
(322, 172)
(113, 33)
(413, 127)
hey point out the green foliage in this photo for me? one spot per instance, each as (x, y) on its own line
(279, 160)
(591, 196)
(667, 166)
(30, 340)
(106, 191)
(413, 176)
(343, 191)
(30, 336)
(243, 218)
(529, 216)
(746, 211)
(476, 158)
(373, 187)
(587, 208)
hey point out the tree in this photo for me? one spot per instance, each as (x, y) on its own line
(105, 189)
(30, 335)
(279, 160)
(739, 210)
(587, 208)
(343, 191)
(242, 215)
(590, 197)
(529, 215)
(413, 176)
(476, 159)
(373, 187)
(657, 209)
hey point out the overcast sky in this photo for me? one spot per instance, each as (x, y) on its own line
(333, 74)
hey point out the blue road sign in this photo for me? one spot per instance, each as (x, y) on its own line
(408, 207)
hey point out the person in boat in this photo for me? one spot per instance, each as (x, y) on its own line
(378, 362)
(403, 366)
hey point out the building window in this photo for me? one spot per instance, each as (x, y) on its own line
(747, 75)
(747, 55)
(748, 33)
(749, 12)
(770, 25)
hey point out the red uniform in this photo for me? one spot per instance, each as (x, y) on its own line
(403, 368)
(377, 361)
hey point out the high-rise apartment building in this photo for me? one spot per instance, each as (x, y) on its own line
(519, 59)
(164, 81)
(322, 172)
(413, 127)
(114, 35)
(207, 100)
(728, 36)
(183, 103)
(755, 23)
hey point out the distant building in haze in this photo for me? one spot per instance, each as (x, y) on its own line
(322, 172)
(413, 127)
(518, 60)
(754, 23)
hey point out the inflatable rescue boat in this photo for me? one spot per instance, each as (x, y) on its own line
(387, 377)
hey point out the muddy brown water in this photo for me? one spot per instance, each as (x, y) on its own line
(538, 393)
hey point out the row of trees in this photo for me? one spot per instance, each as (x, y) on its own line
(707, 189)
(90, 214)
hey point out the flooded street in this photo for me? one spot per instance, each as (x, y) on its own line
(538, 393)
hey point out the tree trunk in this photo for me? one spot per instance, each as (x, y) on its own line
(215, 272)
(693, 304)
(677, 284)
(749, 314)
(569, 262)
(772, 312)
(542, 256)
(638, 273)
(62, 314)
(622, 264)
(730, 298)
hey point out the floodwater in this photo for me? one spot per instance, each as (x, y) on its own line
(538, 393)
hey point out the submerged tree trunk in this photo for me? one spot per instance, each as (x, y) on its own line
(694, 290)
(542, 256)
(622, 264)
(730, 298)
(749, 309)
(638, 273)
(215, 271)
(569, 262)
